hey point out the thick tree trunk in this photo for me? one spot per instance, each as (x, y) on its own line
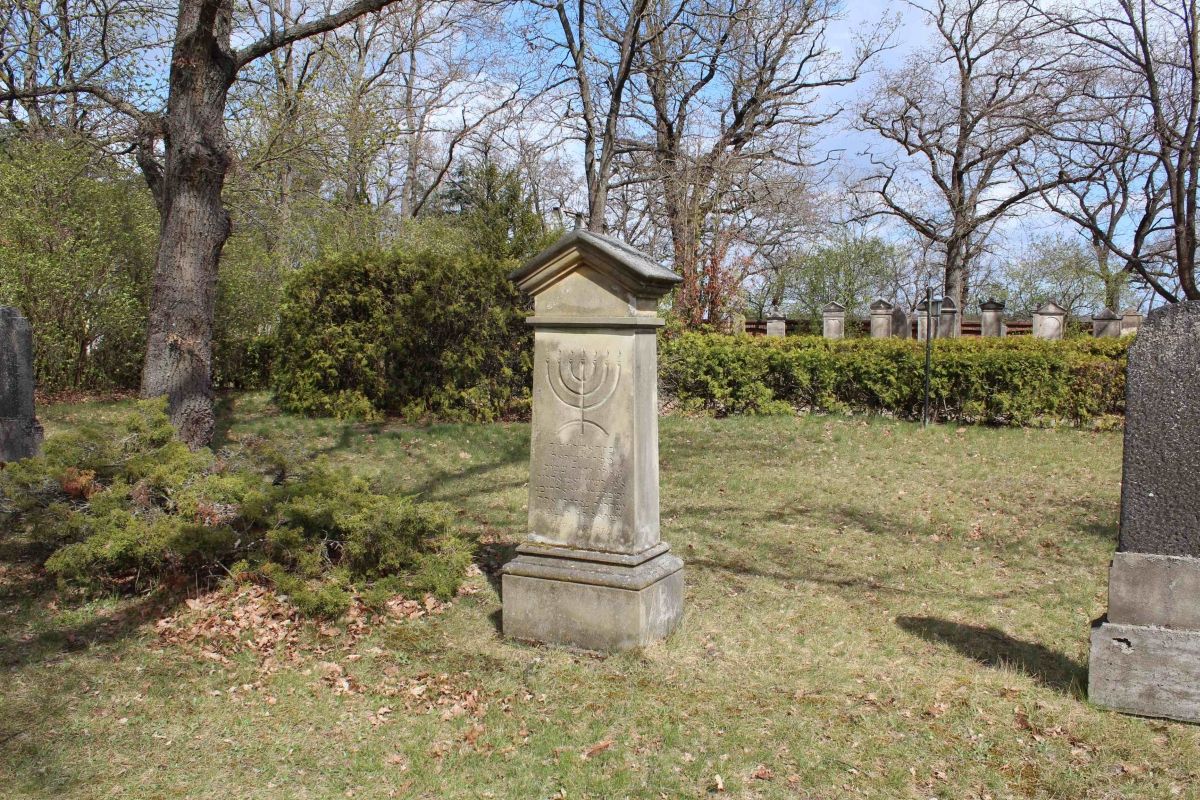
(195, 224)
(955, 286)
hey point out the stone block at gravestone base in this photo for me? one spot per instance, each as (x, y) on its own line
(776, 326)
(833, 321)
(592, 572)
(20, 432)
(881, 319)
(1106, 325)
(1145, 653)
(901, 329)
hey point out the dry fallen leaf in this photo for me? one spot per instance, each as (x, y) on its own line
(762, 772)
(597, 748)
(718, 784)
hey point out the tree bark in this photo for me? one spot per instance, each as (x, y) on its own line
(195, 224)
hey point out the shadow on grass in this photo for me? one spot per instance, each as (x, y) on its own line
(54, 642)
(993, 647)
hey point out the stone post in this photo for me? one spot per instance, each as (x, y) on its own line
(931, 321)
(950, 322)
(776, 326)
(1131, 320)
(1145, 654)
(20, 432)
(737, 323)
(833, 321)
(592, 572)
(1106, 324)
(1049, 321)
(881, 319)
(900, 327)
(991, 317)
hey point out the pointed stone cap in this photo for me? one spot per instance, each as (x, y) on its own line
(616, 261)
(881, 305)
(991, 304)
(1107, 313)
(924, 304)
(1051, 308)
(834, 308)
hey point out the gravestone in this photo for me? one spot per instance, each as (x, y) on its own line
(1106, 324)
(1131, 320)
(592, 572)
(950, 324)
(833, 321)
(927, 319)
(1049, 321)
(991, 317)
(737, 323)
(20, 432)
(900, 327)
(1145, 654)
(776, 326)
(881, 319)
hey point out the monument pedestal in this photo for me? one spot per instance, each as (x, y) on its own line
(591, 599)
(1145, 654)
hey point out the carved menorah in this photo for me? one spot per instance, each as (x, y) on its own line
(584, 381)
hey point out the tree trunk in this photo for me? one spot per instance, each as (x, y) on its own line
(956, 274)
(195, 224)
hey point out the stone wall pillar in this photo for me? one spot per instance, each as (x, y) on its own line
(927, 318)
(833, 321)
(991, 318)
(20, 432)
(1049, 321)
(592, 571)
(950, 324)
(900, 327)
(1145, 653)
(1131, 320)
(881, 319)
(1106, 324)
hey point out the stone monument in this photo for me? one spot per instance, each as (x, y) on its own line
(1106, 324)
(1145, 654)
(833, 321)
(1049, 321)
(881, 319)
(776, 325)
(1131, 320)
(592, 572)
(20, 432)
(927, 318)
(950, 324)
(991, 317)
(900, 327)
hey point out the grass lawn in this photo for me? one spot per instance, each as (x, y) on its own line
(872, 610)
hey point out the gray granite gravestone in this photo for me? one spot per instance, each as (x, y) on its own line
(1049, 321)
(991, 317)
(20, 432)
(927, 319)
(1145, 654)
(1106, 324)
(833, 321)
(881, 319)
(592, 572)
(900, 327)
(776, 326)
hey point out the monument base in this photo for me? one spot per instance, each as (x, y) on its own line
(1145, 670)
(19, 438)
(592, 600)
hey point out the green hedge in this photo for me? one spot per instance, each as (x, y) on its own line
(1014, 381)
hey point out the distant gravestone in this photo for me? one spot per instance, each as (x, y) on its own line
(1106, 325)
(950, 325)
(991, 318)
(833, 321)
(1145, 654)
(1049, 321)
(927, 320)
(592, 571)
(20, 432)
(776, 326)
(1131, 320)
(900, 327)
(881, 319)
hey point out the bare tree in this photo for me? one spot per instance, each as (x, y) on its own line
(187, 178)
(967, 120)
(1144, 145)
